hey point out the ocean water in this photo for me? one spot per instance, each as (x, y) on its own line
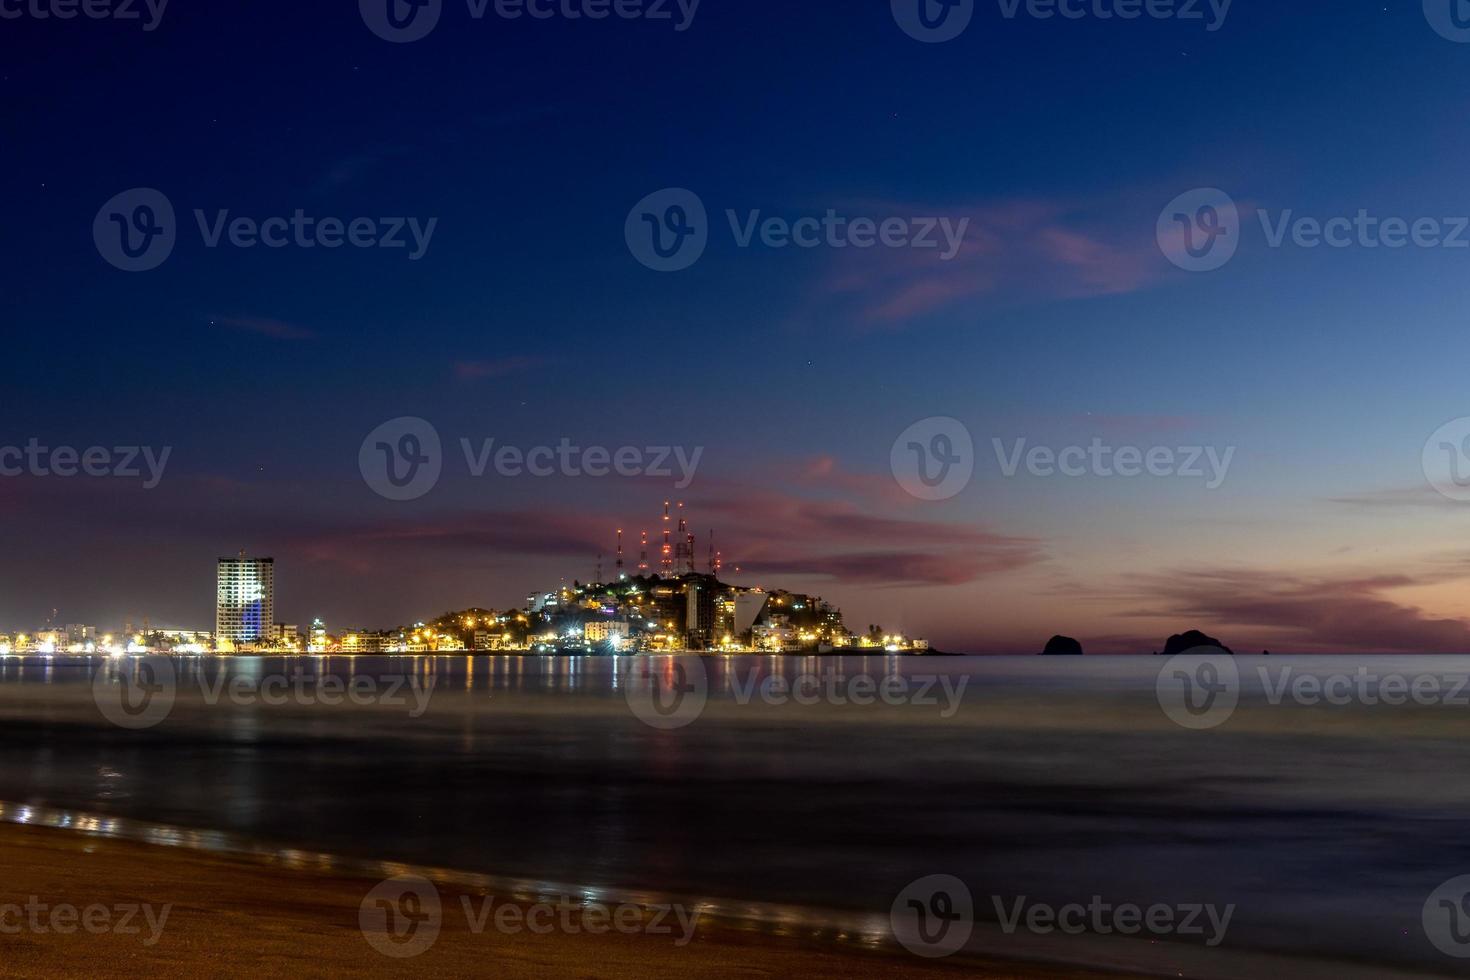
(1327, 822)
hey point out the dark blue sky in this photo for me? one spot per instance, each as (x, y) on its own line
(529, 320)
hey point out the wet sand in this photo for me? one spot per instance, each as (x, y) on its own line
(237, 917)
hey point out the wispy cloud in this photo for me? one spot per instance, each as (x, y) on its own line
(497, 368)
(765, 533)
(1012, 251)
(1335, 612)
(350, 169)
(265, 327)
(841, 541)
(1423, 496)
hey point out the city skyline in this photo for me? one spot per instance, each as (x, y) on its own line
(659, 600)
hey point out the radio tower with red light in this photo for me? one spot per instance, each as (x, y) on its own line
(666, 558)
(683, 559)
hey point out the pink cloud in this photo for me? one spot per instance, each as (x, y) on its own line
(1342, 613)
(1013, 251)
(498, 368)
(762, 532)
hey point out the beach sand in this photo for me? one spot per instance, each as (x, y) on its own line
(238, 916)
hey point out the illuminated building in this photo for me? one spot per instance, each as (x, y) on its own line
(365, 641)
(699, 611)
(749, 604)
(491, 640)
(606, 629)
(776, 636)
(245, 601)
(318, 640)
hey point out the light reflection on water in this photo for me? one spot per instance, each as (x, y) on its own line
(1057, 780)
(866, 930)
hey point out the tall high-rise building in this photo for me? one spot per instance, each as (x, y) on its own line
(245, 600)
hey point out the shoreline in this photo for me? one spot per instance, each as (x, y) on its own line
(232, 913)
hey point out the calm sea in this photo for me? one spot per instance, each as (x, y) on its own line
(1326, 825)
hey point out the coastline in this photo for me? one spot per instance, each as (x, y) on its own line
(231, 914)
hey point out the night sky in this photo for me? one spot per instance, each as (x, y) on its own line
(528, 319)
